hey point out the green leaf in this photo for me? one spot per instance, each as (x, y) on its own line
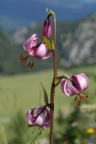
(45, 94)
(52, 12)
(52, 45)
(55, 81)
(37, 142)
(47, 11)
(47, 42)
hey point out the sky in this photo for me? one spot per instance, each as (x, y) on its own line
(21, 12)
(75, 4)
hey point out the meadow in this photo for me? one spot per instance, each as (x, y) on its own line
(23, 91)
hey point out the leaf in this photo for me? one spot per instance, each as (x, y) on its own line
(37, 142)
(52, 45)
(52, 12)
(47, 42)
(45, 94)
(47, 11)
(55, 81)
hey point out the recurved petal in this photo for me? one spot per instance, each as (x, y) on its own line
(30, 42)
(40, 121)
(42, 52)
(68, 88)
(48, 54)
(32, 51)
(30, 116)
(80, 81)
(47, 119)
(84, 81)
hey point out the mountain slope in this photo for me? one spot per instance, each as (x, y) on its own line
(9, 57)
(76, 45)
(76, 40)
(80, 47)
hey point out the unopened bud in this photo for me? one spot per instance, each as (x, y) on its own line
(47, 30)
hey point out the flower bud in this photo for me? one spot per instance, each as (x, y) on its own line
(47, 30)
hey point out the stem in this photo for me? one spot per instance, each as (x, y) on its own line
(53, 86)
(54, 52)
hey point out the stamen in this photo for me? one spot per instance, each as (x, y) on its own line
(21, 56)
(84, 97)
(41, 131)
(37, 136)
(34, 130)
(29, 126)
(29, 64)
(24, 59)
(79, 97)
(32, 64)
(77, 100)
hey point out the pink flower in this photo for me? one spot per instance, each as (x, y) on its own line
(39, 51)
(42, 51)
(78, 83)
(39, 116)
(47, 30)
(30, 42)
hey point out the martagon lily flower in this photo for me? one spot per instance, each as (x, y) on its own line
(39, 51)
(78, 83)
(39, 116)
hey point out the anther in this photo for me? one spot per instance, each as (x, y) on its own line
(84, 97)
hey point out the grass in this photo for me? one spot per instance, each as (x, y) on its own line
(24, 91)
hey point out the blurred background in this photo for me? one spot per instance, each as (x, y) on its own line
(20, 87)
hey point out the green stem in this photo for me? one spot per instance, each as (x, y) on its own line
(54, 52)
(53, 87)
